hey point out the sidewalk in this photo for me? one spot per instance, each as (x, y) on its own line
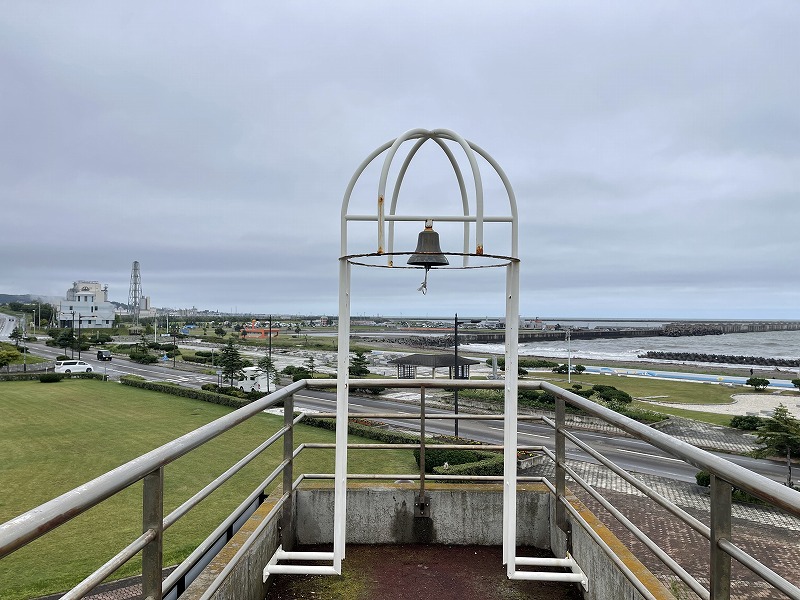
(768, 534)
(708, 436)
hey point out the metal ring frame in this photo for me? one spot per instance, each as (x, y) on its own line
(504, 260)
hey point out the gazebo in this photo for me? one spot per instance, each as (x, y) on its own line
(407, 365)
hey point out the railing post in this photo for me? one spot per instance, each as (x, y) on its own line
(153, 518)
(287, 517)
(422, 505)
(720, 530)
(561, 475)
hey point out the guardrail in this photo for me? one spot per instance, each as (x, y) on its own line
(149, 468)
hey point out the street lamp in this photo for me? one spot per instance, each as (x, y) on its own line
(80, 318)
(269, 352)
(456, 372)
(569, 356)
(72, 345)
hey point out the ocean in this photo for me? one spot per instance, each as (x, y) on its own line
(770, 344)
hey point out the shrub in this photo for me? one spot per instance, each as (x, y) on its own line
(210, 387)
(50, 377)
(526, 363)
(492, 465)
(203, 360)
(747, 422)
(62, 357)
(611, 394)
(143, 358)
(703, 478)
(758, 383)
(537, 399)
(436, 458)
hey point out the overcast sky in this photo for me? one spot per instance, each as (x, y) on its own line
(654, 148)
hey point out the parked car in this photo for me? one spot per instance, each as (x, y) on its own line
(104, 355)
(73, 366)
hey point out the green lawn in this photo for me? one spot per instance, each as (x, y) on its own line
(675, 391)
(54, 437)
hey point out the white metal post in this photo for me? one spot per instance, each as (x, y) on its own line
(342, 396)
(510, 421)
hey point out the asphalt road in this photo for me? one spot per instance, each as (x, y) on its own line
(631, 454)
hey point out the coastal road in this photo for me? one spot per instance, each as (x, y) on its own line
(631, 454)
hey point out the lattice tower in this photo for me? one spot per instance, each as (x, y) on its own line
(135, 292)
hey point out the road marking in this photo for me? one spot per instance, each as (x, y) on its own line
(650, 455)
(520, 432)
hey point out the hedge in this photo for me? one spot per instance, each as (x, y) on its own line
(51, 377)
(203, 360)
(483, 462)
(370, 432)
(184, 392)
(493, 465)
(747, 422)
(34, 376)
(29, 376)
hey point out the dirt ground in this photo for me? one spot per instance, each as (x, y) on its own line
(421, 572)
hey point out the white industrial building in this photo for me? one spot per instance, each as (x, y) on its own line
(86, 306)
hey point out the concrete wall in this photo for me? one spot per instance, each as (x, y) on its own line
(460, 514)
(246, 580)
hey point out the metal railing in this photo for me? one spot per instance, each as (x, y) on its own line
(149, 468)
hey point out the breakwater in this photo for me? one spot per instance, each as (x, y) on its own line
(438, 339)
(719, 328)
(723, 358)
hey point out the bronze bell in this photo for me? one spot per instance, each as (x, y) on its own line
(428, 253)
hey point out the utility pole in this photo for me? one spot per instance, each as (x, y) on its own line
(569, 356)
(80, 316)
(455, 373)
(269, 351)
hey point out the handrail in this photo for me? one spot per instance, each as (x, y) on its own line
(744, 479)
(38, 521)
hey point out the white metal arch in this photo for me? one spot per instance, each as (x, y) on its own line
(471, 151)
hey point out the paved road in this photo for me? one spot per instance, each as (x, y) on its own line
(7, 325)
(631, 454)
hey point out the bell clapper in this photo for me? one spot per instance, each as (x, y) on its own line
(424, 287)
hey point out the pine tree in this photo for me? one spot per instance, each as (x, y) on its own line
(358, 365)
(230, 361)
(780, 435)
(310, 365)
(266, 365)
(16, 335)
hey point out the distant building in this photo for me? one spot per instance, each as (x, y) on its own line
(87, 304)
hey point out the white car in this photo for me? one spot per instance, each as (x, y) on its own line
(73, 366)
